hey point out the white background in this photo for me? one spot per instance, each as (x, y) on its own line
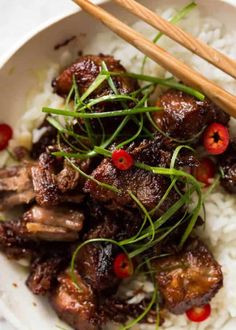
(20, 17)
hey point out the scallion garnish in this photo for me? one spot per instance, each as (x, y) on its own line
(108, 114)
(146, 214)
(97, 82)
(162, 82)
(175, 19)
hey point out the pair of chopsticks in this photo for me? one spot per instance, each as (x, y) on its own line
(219, 96)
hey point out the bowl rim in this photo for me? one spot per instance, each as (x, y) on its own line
(38, 29)
(48, 23)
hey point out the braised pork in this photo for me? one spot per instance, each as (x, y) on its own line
(64, 217)
(51, 228)
(95, 265)
(55, 224)
(189, 278)
(184, 117)
(44, 271)
(50, 233)
(13, 240)
(16, 186)
(50, 183)
(86, 69)
(104, 223)
(146, 186)
(228, 165)
(75, 305)
(121, 311)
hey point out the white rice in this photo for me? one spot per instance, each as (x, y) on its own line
(220, 230)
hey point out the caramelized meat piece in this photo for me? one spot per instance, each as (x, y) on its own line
(15, 186)
(48, 258)
(50, 183)
(42, 224)
(117, 225)
(15, 178)
(75, 306)
(95, 261)
(189, 278)
(121, 311)
(148, 187)
(56, 224)
(228, 165)
(63, 217)
(44, 181)
(95, 264)
(106, 228)
(10, 200)
(86, 69)
(67, 179)
(184, 116)
(49, 233)
(14, 242)
(44, 271)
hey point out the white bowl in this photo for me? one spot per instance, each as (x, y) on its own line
(17, 76)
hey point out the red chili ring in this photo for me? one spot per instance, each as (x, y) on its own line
(216, 139)
(122, 159)
(6, 134)
(205, 171)
(123, 267)
(199, 314)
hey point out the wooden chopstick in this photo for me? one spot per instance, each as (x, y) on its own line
(185, 39)
(223, 99)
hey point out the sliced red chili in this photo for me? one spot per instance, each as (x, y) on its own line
(122, 159)
(6, 134)
(123, 266)
(199, 314)
(205, 172)
(216, 138)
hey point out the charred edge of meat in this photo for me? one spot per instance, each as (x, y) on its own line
(44, 270)
(104, 223)
(227, 163)
(95, 265)
(120, 311)
(13, 241)
(51, 182)
(189, 278)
